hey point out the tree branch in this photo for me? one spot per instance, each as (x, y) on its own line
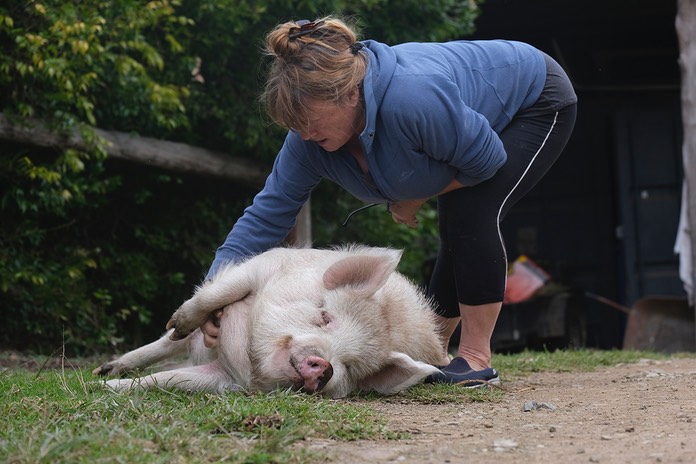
(161, 153)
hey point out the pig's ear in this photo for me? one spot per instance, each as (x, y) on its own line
(401, 372)
(364, 273)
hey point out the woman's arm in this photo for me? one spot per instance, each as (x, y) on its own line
(404, 212)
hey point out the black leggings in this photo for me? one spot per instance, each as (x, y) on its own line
(471, 266)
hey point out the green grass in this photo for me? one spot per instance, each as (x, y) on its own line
(526, 362)
(58, 417)
(63, 416)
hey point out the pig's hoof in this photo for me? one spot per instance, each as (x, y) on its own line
(113, 369)
(176, 336)
(104, 369)
(178, 333)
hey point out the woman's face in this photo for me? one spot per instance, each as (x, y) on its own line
(332, 125)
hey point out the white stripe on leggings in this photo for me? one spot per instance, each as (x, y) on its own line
(500, 210)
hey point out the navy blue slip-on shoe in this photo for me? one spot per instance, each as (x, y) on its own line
(459, 372)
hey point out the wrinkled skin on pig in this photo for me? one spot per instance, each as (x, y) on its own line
(321, 321)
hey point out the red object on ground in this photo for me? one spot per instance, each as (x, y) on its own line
(524, 280)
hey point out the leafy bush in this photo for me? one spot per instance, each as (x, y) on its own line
(114, 265)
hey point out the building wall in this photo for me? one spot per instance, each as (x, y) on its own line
(603, 221)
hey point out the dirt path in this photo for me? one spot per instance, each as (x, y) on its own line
(634, 413)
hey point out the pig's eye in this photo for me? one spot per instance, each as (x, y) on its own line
(324, 319)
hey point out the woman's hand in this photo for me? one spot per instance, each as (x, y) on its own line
(211, 329)
(404, 212)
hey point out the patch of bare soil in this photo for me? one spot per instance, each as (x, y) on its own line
(13, 359)
(631, 413)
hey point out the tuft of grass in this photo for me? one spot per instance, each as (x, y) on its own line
(64, 415)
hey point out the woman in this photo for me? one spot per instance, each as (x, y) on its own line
(474, 123)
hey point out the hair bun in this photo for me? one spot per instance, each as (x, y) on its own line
(279, 44)
(291, 38)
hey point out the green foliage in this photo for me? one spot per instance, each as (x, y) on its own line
(395, 22)
(91, 272)
(96, 253)
(374, 226)
(71, 62)
(70, 272)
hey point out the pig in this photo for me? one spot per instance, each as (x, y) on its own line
(326, 321)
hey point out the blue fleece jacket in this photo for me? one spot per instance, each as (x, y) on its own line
(433, 113)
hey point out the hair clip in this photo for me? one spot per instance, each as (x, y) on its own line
(356, 47)
(305, 27)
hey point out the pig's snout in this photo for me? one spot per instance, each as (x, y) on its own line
(316, 373)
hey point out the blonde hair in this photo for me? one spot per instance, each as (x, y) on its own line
(321, 63)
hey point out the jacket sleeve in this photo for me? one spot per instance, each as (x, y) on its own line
(268, 220)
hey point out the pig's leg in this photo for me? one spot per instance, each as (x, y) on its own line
(157, 351)
(210, 378)
(231, 285)
(233, 340)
